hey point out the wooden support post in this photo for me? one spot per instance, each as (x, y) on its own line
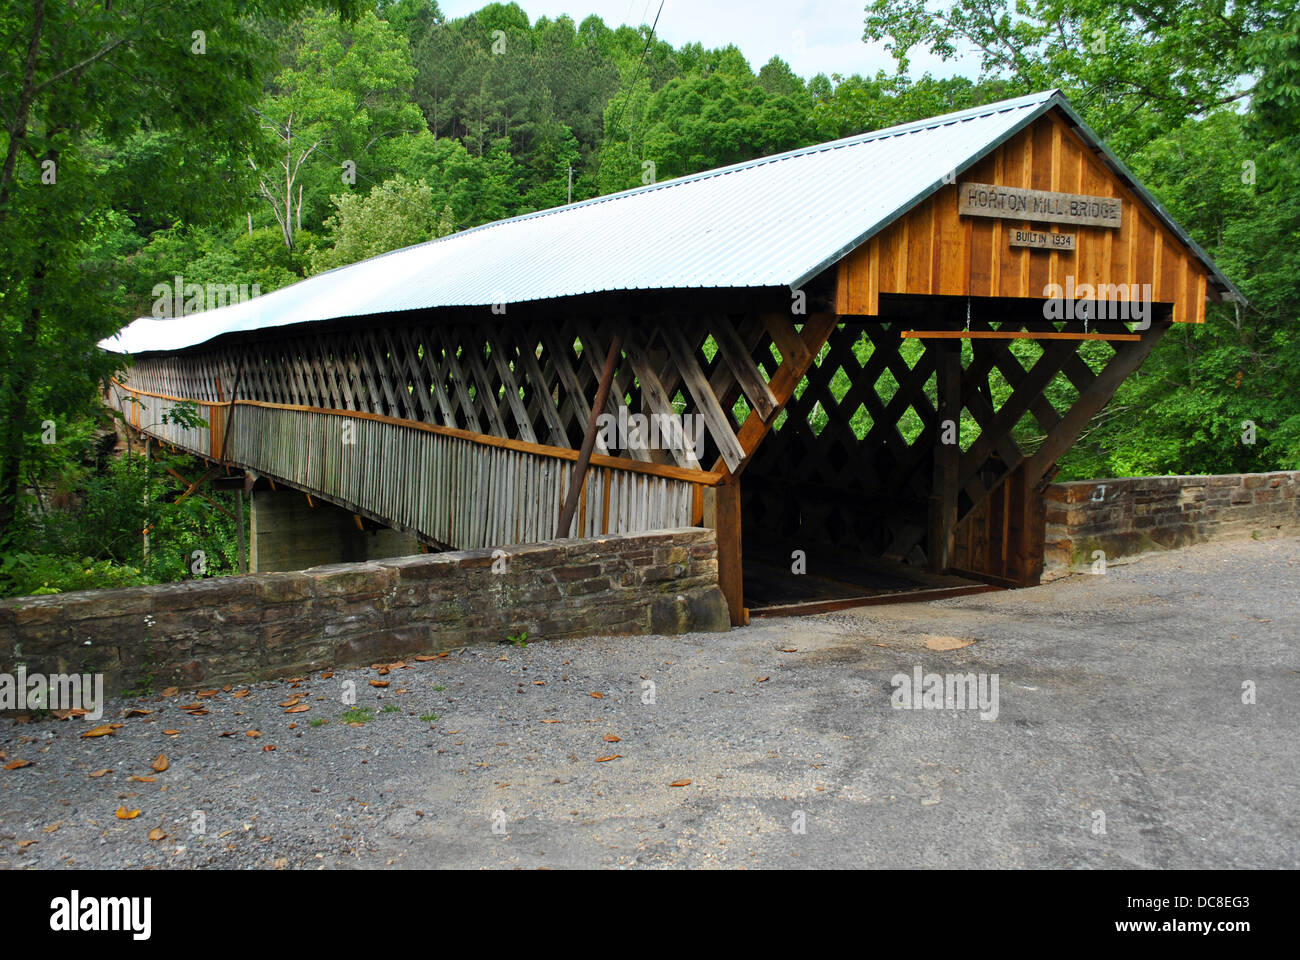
(588, 441)
(239, 524)
(726, 521)
(947, 458)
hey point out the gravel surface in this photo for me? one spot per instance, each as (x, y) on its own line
(1120, 705)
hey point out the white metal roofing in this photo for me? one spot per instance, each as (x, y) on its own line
(775, 221)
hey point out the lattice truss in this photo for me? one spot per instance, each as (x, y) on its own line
(531, 382)
(850, 463)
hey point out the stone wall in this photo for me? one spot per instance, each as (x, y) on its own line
(1133, 515)
(234, 629)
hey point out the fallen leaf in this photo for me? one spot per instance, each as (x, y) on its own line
(610, 738)
(171, 691)
(192, 706)
(227, 733)
(52, 827)
(268, 748)
(197, 713)
(300, 708)
(253, 733)
(136, 712)
(326, 676)
(100, 773)
(383, 671)
(680, 783)
(379, 683)
(294, 680)
(161, 764)
(227, 688)
(24, 844)
(552, 721)
(539, 683)
(292, 702)
(762, 679)
(17, 764)
(142, 779)
(206, 693)
(399, 665)
(598, 696)
(124, 814)
(787, 649)
(240, 694)
(157, 834)
(425, 658)
(612, 756)
(101, 731)
(172, 733)
(73, 712)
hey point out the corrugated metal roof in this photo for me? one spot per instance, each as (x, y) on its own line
(775, 221)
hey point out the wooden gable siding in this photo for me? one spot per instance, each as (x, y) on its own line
(933, 250)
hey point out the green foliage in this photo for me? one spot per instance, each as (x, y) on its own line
(396, 214)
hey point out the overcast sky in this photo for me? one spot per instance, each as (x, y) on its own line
(813, 36)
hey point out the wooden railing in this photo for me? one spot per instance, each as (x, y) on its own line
(454, 487)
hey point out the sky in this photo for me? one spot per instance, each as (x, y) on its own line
(813, 36)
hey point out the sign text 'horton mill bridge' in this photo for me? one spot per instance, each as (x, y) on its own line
(836, 318)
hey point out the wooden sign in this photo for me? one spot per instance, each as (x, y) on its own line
(1015, 203)
(1039, 240)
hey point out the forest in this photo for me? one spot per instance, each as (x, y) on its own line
(255, 144)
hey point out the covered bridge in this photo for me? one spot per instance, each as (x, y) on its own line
(851, 331)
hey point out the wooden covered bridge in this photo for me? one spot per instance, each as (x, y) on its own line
(830, 351)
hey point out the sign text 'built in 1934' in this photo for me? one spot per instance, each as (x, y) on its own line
(1016, 203)
(1039, 240)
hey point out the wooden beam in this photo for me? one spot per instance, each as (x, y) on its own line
(1094, 397)
(727, 522)
(1013, 335)
(947, 459)
(732, 451)
(579, 474)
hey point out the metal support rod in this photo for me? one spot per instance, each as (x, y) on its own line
(588, 441)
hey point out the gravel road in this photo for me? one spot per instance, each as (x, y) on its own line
(1121, 740)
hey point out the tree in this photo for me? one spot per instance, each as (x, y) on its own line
(81, 77)
(396, 214)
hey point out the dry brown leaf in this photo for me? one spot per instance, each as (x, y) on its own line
(160, 764)
(171, 691)
(292, 702)
(597, 695)
(100, 773)
(612, 756)
(294, 680)
(268, 748)
(124, 814)
(100, 731)
(539, 683)
(142, 779)
(72, 712)
(157, 834)
(610, 738)
(788, 649)
(552, 721)
(240, 694)
(206, 693)
(680, 783)
(192, 706)
(197, 713)
(52, 827)
(383, 671)
(136, 712)
(24, 844)
(762, 679)
(17, 764)
(172, 733)
(425, 658)
(300, 708)
(379, 683)
(326, 676)
(253, 733)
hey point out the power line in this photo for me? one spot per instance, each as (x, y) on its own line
(637, 76)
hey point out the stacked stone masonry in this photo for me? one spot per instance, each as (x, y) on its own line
(1127, 517)
(235, 629)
